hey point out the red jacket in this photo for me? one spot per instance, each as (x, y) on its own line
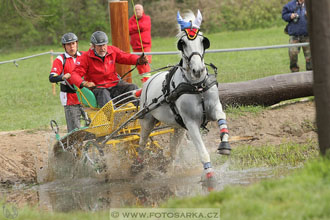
(57, 70)
(93, 69)
(145, 30)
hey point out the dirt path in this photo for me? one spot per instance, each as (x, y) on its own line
(23, 152)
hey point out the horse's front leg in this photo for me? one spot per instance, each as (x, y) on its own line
(216, 113)
(195, 135)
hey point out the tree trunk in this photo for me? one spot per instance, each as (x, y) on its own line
(267, 91)
(318, 13)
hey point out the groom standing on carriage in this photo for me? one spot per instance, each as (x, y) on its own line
(61, 71)
(97, 66)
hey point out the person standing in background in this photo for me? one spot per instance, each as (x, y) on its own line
(295, 14)
(144, 27)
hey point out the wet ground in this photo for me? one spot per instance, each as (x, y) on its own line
(95, 193)
(76, 187)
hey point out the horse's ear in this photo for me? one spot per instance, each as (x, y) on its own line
(180, 44)
(206, 43)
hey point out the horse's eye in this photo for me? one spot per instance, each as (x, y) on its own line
(181, 44)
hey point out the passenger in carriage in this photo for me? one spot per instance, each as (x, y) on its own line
(61, 71)
(96, 69)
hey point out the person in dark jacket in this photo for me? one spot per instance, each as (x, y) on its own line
(295, 14)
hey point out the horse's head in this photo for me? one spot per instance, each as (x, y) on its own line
(192, 44)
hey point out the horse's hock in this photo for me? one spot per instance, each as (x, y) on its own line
(267, 91)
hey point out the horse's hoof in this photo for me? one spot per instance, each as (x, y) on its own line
(224, 148)
(209, 175)
(210, 180)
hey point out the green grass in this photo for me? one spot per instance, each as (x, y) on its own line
(236, 112)
(302, 195)
(26, 95)
(286, 154)
(29, 213)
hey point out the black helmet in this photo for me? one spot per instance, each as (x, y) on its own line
(69, 38)
(99, 38)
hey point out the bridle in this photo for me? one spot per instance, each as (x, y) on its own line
(205, 41)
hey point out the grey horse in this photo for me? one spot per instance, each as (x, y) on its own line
(186, 96)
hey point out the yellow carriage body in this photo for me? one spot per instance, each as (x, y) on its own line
(107, 119)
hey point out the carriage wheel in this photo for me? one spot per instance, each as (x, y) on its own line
(94, 155)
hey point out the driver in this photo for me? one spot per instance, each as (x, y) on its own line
(98, 68)
(61, 70)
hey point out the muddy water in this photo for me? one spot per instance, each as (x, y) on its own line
(66, 186)
(91, 194)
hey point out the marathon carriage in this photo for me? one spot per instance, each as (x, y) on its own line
(113, 127)
(185, 97)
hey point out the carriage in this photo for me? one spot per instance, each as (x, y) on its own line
(113, 127)
(186, 100)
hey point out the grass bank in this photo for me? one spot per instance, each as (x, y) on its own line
(26, 95)
(302, 195)
(287, 155)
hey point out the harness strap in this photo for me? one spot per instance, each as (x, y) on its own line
(166, 84)
(178, 117)
(186, 88)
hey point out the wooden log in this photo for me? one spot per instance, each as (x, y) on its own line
(267, 91)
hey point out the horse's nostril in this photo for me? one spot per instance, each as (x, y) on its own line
(197, 73)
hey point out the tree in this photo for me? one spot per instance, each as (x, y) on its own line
(318, 23)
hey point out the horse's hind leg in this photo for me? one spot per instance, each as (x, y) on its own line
(147, 125)
(177, 137)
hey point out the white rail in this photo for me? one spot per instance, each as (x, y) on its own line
(174, 52)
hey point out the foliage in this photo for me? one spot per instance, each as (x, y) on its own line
(48, 20)
(251, 14)
(33, 22)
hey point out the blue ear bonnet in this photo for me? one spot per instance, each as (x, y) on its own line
(183, 24)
